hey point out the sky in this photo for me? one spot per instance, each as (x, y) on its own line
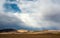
(30, 14)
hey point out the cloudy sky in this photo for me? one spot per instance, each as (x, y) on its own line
(30, 14)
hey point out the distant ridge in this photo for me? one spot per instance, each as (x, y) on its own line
(7, 30)
(21, 31)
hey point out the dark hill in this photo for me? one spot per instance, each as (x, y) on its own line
(7, 30)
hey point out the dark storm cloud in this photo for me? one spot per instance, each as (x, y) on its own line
(53, 14)
(53, 17)
(9, 21)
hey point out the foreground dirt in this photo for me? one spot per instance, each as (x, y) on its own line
(29, 35)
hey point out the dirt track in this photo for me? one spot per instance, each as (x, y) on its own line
(29, 35)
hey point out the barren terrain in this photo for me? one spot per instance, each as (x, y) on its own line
(31, 34)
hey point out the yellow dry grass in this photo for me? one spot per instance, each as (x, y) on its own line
(29, 35)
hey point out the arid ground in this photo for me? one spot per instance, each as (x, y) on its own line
(29, 35)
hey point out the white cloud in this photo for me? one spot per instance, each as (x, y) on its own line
(41, 13)
(37, 14)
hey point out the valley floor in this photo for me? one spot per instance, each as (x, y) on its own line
(29, 35)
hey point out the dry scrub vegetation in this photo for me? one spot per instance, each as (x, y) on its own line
(31, 34)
